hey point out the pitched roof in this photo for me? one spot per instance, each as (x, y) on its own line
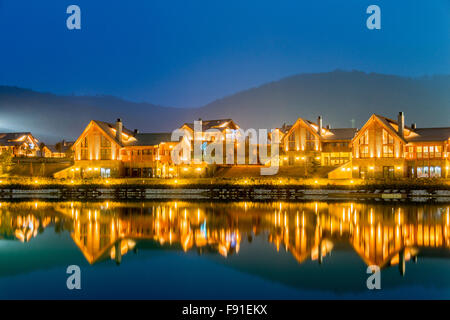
(430, 134)
(214, 124)
(389, 124)
(9, 139)
(327, 134)
(149, 139)
(110, 129)
(64, 145)
(135, 139)
(340, 134)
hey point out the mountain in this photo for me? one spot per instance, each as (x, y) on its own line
(338, 96)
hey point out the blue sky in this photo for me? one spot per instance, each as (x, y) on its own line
(189, 52)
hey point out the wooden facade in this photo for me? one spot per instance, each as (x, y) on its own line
(106, 150)
(20, 144)
(306, 141)
(385, 148)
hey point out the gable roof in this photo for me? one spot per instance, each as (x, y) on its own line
(301, 120)
(10, 139)
(327, 134)
(214, 124)
(415, 135)
(387, 123)
(65, 146)
(133, 139)
(110, 130)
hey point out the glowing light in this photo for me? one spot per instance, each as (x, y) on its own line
(355, 168)
(199, 169)
(371, 168)
(185, 169)
(351, 181)
(399, 168)
(316, 181)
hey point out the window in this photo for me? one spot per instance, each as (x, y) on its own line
(410, 152)
(310, 141)
(425, 152)
(419, 153)
(291, 141)
(105, 148)
(435, 172)
(422, 172)
(388, 145)
(105, 172)
(437, 151)
(84, 149)
(364, 145)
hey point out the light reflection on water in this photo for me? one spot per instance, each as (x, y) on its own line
(242, 234)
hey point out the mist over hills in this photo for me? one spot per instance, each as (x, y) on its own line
(338, 96)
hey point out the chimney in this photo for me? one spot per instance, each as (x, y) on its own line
(413, 126)
(119, 130)
(401, 124)
(328, 127)
(319, 124)
(136, 131)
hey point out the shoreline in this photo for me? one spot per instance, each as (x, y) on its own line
(234, 190)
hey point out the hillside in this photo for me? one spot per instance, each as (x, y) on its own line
(338, 96)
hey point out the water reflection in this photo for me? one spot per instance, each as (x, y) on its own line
(383, 235)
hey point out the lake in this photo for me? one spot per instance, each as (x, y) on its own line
(224, 250)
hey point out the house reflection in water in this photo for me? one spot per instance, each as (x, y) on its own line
(24, 221)
(381, 234)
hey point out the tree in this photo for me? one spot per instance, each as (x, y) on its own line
(41, 148)
(5, 161)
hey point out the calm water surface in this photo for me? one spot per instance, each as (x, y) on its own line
(204, 250)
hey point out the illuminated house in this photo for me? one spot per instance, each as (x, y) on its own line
(308, 141)
(111, 150)
(21, 144)
(385, 148)
(227, 127)
(60, 150)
